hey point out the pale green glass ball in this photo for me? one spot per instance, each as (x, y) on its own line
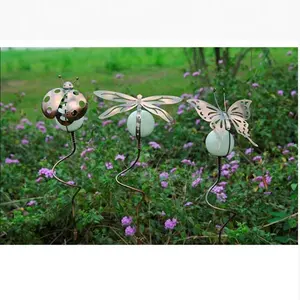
(72, 127)
(147, 123)
(217, 143)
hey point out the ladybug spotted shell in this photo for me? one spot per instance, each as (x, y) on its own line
(76, 105)
(51, 102)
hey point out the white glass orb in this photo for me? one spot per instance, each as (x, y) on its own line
(72, 127)
(217, 143)
(147, 123)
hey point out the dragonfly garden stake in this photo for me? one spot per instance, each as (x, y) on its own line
(140, 123)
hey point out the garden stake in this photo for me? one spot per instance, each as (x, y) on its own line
(140, 123)
(68, 107)
(216, 141)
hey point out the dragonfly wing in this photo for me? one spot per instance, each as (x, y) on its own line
(157, 111)
(116, 97)
(162, 99)
(116, 110)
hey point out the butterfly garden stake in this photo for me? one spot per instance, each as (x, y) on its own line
(67, 106)
(140, 123)
(220, 141)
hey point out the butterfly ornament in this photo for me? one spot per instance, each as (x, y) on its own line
(220, 141)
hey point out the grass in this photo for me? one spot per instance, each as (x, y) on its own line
(147, 71)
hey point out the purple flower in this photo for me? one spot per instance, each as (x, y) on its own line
(88, 150)
(46, 172)
(122, 122)
(264, 181)
(119, 76)
(248, 151)
(163, 176)
(231, 155)
(280, 92)
(188, 162)
(24, 141)
(196, 182)
(292, 158)
(291, 114)
(198, 172)
(89, 175)
(164, 184)
(71, 182)
(256, 158)
(130, 231)
(222, 183)
(170, 224)
(126, 221)
(293, 93)
(225, 173)
(104, 123)
(197, 73)
(83, 167)
(20, 127)
(39, 179)
(180, 111)
(120, 157)
(289, 53)
(13, 109)
(188, 145)
(267, 193)
(222, 197)
(11, 161)
(154, 145)
(220, 61)
(109, 165)
(162, 213)
(286, 151)
(25, 121)
(31, 203)
(290, 145)
(188, 204)
(218, 189)
(255, 85)
(186, 74)
(173, 170)
(197, 121)
(48, 138)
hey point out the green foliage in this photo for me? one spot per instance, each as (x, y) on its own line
(261, 218)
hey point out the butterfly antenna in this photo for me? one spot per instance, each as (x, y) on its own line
(216, 100)
(224, 100)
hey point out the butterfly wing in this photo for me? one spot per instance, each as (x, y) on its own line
(240, 108)
(238, 113)
(211, 114)
(116, 97)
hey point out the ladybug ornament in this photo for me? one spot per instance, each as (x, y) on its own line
(67, 105)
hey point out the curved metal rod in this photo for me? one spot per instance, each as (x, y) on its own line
(210, 189)
(138, 137)
(68, 184)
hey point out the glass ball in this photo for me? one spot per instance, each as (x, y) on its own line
(72, 127)
(217, 142)
(147, 123)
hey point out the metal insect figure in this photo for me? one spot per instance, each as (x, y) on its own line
(220, 141)
(140, 123)
(67, 106)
